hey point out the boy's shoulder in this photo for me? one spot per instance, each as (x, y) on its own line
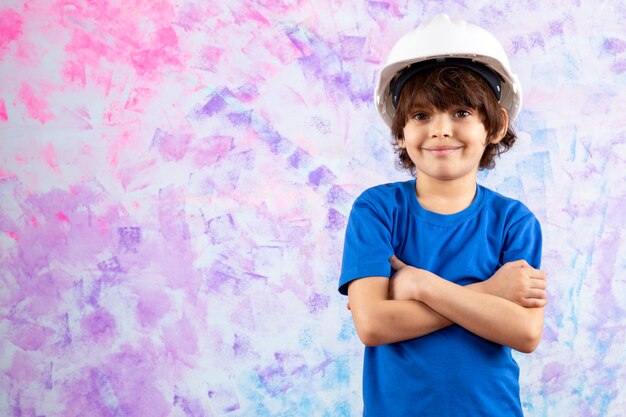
(503, 203)
(385, 194)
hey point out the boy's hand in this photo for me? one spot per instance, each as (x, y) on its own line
(519, 283)
(404, 284)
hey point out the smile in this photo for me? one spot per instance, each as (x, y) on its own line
(441, 151)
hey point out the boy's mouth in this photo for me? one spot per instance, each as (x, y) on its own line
(441, 150)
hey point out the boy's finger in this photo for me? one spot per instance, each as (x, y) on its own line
(521, 263)
(537, 293)
(536, 274)
(538, 283)
(534, 302)
(396, 263)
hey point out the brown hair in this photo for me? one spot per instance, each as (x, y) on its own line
(443, 88)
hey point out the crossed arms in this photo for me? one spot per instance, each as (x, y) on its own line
(506, 309)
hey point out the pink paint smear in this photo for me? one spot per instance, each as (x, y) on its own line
(3, 111)
(36, 106)
(10, 27)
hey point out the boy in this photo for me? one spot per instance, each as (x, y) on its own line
(465, 288)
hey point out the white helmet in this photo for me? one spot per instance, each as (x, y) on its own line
(445, 41)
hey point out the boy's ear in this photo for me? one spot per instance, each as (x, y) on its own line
(400, 142)
(505, 125)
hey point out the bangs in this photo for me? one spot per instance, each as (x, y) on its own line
(443, 89)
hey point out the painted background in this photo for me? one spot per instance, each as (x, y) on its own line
(175, 179)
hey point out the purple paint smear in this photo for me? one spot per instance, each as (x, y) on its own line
(129, 238)
(191, 408)
(215, 105)
(100, 326)
(336, 220)
(171, 147)
(275, 380)
(321, 175)
(110, 265)
(614, 46)
(318, 302)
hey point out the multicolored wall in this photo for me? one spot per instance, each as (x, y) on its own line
(175, 178)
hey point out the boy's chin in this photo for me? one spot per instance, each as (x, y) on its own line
(447, 175)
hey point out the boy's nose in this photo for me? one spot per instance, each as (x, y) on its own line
(441, 128)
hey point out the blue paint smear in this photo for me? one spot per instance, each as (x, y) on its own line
(347, 331)
(341, 409)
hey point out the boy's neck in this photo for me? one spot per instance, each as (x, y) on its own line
(445, 197)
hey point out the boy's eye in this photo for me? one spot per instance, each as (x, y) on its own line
(420, 116)
(462, 113)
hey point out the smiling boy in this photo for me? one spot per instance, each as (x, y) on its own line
(465, 286)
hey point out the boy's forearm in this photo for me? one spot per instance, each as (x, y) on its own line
(379, 320)
(397, 321)
(382, 321)
(485, 315)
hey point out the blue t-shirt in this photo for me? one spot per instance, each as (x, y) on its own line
(451, 372)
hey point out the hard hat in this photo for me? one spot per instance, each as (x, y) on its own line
(441, 42)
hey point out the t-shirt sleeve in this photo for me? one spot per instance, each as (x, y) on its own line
(523, 241)
(367, 246)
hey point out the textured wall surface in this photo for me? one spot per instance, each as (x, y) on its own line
(175, 179)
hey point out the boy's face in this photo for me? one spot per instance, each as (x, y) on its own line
(445, 145)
